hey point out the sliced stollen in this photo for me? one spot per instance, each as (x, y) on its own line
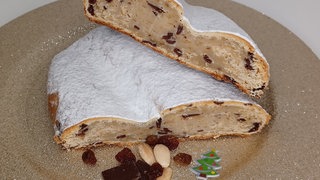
(198, 37)
(108, 89)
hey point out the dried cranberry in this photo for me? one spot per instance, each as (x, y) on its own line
(89, 157)
(178, 52)
(170, 141)
(182, 159)
(152, 140)
(125, 156)
(91, 10)
(155, 171)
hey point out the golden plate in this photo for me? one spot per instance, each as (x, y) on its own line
(288, 148)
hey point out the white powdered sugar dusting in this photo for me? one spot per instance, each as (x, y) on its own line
(107, 74)
(209, 20)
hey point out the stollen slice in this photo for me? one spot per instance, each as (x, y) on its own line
(198, 37)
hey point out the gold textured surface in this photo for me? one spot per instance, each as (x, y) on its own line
(288, 148)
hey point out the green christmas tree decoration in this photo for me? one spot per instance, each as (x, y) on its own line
(212, 163)
(207, 165)
(204, 170)
(212, 155)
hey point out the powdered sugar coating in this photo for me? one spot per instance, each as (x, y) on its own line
(209, 20)
(106, 74)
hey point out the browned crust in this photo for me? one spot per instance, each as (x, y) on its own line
(53, 102)
(217, 76)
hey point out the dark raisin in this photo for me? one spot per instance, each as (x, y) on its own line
(92, 1)
(207, 59)
(109, 1)
(241, 120)
(170, 141)
(200, 130)
(248, 61)
(148, 42)
(171, 41)
(248, 64)
(218, 102)
(156, 8)
(182, 159)
(104, 7)
(179, 30)
(91, 10)
(169, 38)
(155, 171)
(152, 140)
(155, 13)
(178, 52)
(121, 136)
(137, 27)
(255, 127)
(89, 157)
(125, 156)
(83, 129)
(83, 126)
(190, 115)
(158, 123)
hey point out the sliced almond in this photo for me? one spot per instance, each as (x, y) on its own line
(166, 175)
(162, 155)
(146, 153)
